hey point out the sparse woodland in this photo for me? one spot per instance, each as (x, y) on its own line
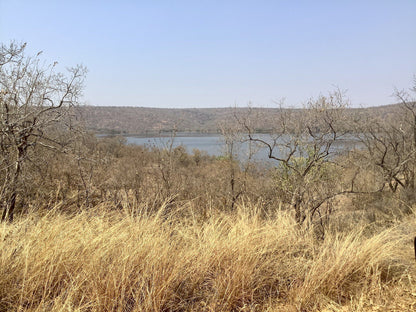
(93, 224)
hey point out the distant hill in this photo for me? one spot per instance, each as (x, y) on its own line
(144, 120)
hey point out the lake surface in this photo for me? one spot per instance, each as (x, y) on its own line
(214, 145)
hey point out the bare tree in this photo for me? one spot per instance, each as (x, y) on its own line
(232, 137)
(390, 144)
(302, 144)
(35, 111)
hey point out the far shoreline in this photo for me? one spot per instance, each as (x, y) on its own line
(163, 134)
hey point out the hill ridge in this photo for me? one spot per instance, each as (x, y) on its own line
(147, 120)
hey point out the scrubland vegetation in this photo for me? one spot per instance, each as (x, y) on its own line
(93, 224)
(106, 260)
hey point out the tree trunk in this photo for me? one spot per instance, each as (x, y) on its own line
(11, 192)
(300, 214)
(8, 211)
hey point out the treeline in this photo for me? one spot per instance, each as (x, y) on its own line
(152, 121)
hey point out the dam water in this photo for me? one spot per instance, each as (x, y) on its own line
(215, 145)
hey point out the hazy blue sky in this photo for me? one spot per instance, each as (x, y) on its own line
(221, 53)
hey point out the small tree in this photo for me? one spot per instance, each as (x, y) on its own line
(301, 144)
(390, 143)
(35, 106)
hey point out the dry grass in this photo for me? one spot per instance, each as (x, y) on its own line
(117, 261)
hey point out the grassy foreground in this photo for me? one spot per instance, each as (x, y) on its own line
(103, 260)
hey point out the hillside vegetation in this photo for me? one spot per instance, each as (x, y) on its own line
(132, 229)
(90, 223)
(152, 121)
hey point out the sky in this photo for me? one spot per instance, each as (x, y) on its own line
(186, 54)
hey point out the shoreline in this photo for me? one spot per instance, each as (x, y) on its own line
(159, 135)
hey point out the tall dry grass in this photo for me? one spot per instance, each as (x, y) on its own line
(103, 260)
